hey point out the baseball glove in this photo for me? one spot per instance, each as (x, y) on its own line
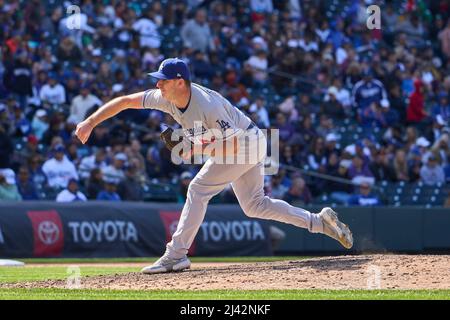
(166, 137)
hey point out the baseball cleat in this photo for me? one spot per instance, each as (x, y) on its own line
(335, 229)
(167, 264)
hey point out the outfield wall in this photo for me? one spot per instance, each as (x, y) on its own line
(127, 229)
(378, 229)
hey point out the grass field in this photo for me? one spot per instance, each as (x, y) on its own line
(53, 271)
(67, 294)
(36, 270)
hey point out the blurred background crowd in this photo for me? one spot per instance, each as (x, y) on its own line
(367, 106)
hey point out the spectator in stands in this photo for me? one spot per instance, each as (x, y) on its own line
(259, 65)
(201, 67)
(317, 159)
(434, 132)
(331, 145)
(286, 130)
(359, 172)
(415, 112)
(397, 102)
(287, 157)
(332, 106)
(414, 165)
(259, 108)
(373, 115)
(130, 188)
(196, 33)
(185, 179)
(422, 145)
(306, 106)
(153, 164)
(82, 103)
(52, 93)
(134, 155)
(447, 201)
(413, 28)
(307, 130)
(325, 126)
(362, 151)
(109, 193)
(39, 123)
(287, 107)
(432, 172)
(90, 162)
(8, 187)
(5, 119)
(59, 169)
(95, 183)
(382, 168)
(6, 148)
(18, 78)
(277, 190)
(364, 197)
(367, 91)
(68, 51)
(261, 6)
(444, 38)
(147, 30)
(441, 148)
(37, 176)
(153, 128)
(442, 108)
(26, 187)
(115, 170)
(71, 193)
(22, 127)
(298, 192)
(401, 166)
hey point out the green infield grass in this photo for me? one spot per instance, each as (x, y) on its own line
(31, 272)
(75, 294)
(152, 259)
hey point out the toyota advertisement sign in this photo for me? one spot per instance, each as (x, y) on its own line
(97, 229)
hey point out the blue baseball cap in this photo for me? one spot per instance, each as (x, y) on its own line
(172, 68)
(59, 148)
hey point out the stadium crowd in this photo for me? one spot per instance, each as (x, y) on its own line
(365, 105)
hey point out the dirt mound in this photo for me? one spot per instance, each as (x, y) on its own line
(342, 272)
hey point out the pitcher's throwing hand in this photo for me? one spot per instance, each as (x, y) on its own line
(83, 131)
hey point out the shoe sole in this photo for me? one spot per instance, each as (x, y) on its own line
(176, 268)
(345, 235)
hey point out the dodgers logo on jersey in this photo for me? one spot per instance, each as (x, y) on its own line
(224, 125)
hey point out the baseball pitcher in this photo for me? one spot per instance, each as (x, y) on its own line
(214, 128)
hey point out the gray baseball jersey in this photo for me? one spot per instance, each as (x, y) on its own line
(209, 111)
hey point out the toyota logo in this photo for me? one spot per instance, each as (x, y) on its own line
(48, 232)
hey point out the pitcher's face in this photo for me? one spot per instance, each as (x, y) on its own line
(169, 88)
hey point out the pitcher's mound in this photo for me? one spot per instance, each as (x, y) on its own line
(342, 272)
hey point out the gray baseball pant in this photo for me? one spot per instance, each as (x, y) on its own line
(247, 181)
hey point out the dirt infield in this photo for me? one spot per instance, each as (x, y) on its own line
(342, 272)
